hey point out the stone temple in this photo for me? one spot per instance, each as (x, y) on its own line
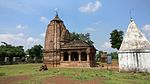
(134, 53)
(59, 51)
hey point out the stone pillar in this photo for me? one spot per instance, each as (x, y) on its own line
(6, 59)
(14, 59)
(62, 57)
(69, 56)
(79, 53)
(88, 56)
(26, 59)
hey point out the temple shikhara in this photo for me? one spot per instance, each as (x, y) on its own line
(59, 51)
(134, 53)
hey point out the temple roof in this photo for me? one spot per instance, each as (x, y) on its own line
(134, 39)
(77, 43)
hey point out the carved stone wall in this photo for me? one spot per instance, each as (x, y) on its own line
(57, 41)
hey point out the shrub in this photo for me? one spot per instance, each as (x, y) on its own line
(2, 74)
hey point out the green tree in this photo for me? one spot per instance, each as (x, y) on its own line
(11, 51)
(7, 50)
(114, 55)
(35, 52)
(116, 38)
(84, 37)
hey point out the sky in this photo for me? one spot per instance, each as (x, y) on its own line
(24, 22)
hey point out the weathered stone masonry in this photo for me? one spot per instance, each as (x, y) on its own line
(59, 51)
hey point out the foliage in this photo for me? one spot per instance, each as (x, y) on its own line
(10, 51)
(114, 55)
(35, 52)
(81, 36)
(2, 74)
(116, 38)
(98, 56)
(7, 50)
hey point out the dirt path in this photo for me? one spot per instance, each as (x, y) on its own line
(66, 80)
(13, 79)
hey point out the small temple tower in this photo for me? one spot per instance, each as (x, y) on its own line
(56, 35)
(59, 51)
(134, 53)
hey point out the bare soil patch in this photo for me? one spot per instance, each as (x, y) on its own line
(13, 79)
(67, 80)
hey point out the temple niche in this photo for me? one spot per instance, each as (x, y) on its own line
(59, 51)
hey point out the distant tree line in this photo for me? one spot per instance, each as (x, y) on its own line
(7, 50)
(16, 54)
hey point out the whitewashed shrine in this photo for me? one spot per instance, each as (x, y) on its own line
(134, 53)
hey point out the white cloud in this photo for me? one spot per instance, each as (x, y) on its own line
(146, 27)
(90, 29)
(43, 19)
(91, 7)
(20, 34)
(33, 41)
(11, 37)
(42, 34)
(20, 26)
(106, 45)
(20, 39)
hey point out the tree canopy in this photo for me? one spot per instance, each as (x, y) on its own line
(81, 36)
(7, 50)
(116, 38)
(35, 51)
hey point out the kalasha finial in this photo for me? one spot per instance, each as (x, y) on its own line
(56, 11)
(56, 18)
(131, 19)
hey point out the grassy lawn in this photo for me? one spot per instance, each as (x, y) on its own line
(108, 77)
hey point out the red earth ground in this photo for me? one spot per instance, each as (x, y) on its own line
(50, 80)
(13, 79)
(66, 80)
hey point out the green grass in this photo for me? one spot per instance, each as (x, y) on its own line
(108, 77)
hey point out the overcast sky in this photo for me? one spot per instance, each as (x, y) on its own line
(24, 22)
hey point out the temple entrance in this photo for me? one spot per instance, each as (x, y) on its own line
(83, 56)
(74, 56)
(66, 56)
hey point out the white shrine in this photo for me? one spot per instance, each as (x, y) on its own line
(134, 53)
